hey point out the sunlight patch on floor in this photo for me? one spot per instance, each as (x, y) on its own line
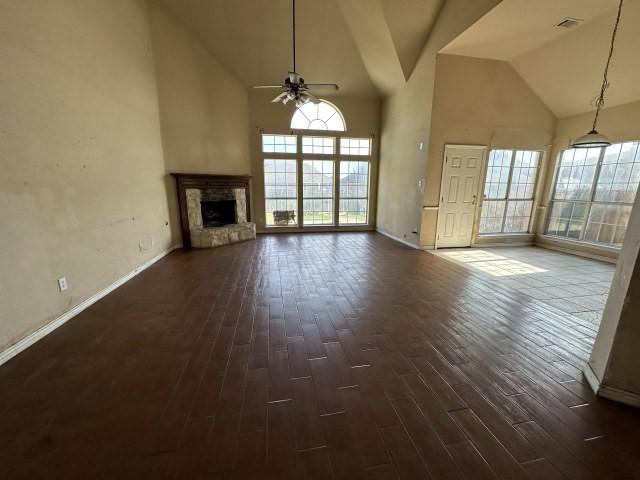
(491, 263)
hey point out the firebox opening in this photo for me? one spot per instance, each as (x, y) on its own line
(217, 213)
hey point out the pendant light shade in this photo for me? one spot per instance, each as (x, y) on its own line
(592, 139)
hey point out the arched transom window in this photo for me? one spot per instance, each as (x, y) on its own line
(320, 116)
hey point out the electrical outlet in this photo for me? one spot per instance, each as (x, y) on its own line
(62, 284)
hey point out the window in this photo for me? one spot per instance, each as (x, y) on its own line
(279, 143)
(355, 146)
(317, 192)
(318, 116)
(320, 145)
(354, 193)
(508, 191)
(280, 191)
(593, 193)
(308, 180)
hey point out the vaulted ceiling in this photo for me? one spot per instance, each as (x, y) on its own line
(563, 66)
(368, 47)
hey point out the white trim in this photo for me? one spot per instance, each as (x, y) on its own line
(43, 331)
(622, 396)
(592, 378)
(611, 393)
(401, 240)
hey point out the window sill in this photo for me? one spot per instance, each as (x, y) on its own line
(582, 243)
(503, 239)
(315, 228)
(579, 247)
(501, 235)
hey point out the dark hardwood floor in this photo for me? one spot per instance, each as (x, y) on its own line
(317, 356)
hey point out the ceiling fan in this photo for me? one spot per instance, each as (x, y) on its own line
(294, 87)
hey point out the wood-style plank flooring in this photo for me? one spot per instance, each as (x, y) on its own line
(318, 356)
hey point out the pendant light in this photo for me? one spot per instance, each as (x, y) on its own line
(594, 138)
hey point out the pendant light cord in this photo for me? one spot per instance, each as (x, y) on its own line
(294, 34)
(605, 78)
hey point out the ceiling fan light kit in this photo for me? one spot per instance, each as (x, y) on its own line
(294, 87)
(594, 139)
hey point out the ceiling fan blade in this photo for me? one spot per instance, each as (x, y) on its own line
(323, 85)
(280, 97)
(267, 86)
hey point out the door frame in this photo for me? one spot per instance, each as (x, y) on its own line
(482, 173)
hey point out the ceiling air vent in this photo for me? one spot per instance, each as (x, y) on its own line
(569, 23)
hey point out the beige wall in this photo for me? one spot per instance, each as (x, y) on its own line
(362, 116)
(204, 109)
(479, 102)
(82, 185)
(405, 123)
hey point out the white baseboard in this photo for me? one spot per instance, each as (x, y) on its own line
(611, 393)
(592, 378)
(621, 396)
(397, 239)
(32, 338)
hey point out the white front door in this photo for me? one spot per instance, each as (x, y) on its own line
(458, 195)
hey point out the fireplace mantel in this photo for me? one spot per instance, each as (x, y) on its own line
(203, 181)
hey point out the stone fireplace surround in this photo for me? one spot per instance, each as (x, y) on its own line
(194, 188)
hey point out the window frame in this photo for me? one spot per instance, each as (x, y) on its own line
(337, 158)
(588, 203)
(506, 198)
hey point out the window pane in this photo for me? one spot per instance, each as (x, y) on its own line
(618, 179)
(491, 216)
(280, 190)
(495, 186)
(317, 192)
(517, 216)
(607, 223)
(319, 145)
(355, 146)
(567, 219)
(576, 173)
(523, 178)
(279, 143)
(354, 192)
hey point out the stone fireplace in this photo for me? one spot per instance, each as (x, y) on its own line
(214, 209)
